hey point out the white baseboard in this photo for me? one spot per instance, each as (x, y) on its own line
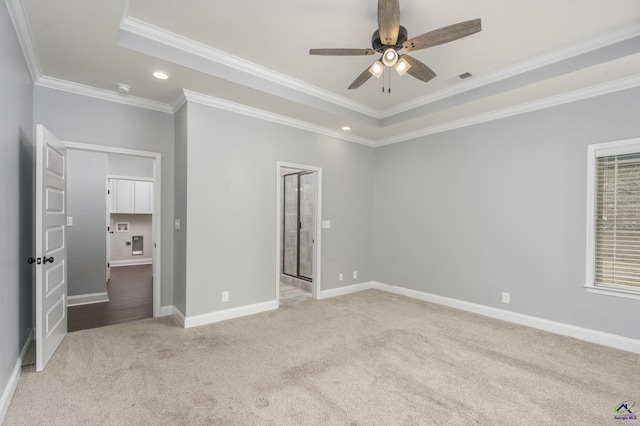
(589, 335)
(179, 316)
(166, 311)
(197, 320)
(132, 262)
(86, 299)
(341, 291)
(10, 389)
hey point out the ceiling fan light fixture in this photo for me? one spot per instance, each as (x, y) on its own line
(376, 69)
(402, 66)
(390, 57)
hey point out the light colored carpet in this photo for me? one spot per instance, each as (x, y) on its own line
(370, 358)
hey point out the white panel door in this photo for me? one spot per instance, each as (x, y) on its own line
(51, 249)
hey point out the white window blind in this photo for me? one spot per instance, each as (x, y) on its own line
(617, 221)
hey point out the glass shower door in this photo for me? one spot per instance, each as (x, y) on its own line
(298, 226)
(290, 257)
(305, 234)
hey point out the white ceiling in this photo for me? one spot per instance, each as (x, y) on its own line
(253, 56)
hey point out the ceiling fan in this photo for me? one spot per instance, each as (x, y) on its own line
(392, 37)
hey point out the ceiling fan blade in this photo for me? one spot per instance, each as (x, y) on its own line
(366, 75)
(342, 52)
(443, 35)
(389, 21)
(418, 69)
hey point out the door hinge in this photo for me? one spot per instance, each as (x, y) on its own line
(108, 228)
(108, 265)
(108, 191)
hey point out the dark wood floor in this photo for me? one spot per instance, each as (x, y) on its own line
(130, 298)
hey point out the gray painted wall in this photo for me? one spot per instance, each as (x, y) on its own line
(88, 120)
(180, 213)
(231, 232)
(129, 165)
(501, 207)
(16, 192)
(87, 238)
(139, 225)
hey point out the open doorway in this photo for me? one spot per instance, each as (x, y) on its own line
(113, 236)
(299, 200)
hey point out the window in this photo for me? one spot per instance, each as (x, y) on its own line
(613, 219)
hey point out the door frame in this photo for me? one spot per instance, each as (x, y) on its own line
(156, 220)
(317, 249)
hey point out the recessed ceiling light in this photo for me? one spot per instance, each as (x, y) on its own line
(346, 128)
(160, 75)
(123, 88)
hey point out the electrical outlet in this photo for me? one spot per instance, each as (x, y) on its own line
(355, 275)
(506, 298)
(177, 223)
(69, 221)
(340, 277)
(225, 296)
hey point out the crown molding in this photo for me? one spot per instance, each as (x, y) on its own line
(190, 96)
(144, 29)
(211, 101)
(178, 102)
(23, 31)
(107, 95)
(217, 57)
(192, 47)
(577, 95)
(519, 68)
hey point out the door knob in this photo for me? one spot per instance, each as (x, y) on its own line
(49, 259)
(31, 261)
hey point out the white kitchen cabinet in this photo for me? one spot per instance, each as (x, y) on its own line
(131, 196)
(142, 196)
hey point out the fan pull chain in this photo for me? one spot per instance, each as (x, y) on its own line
(387, 73)
(389, 82)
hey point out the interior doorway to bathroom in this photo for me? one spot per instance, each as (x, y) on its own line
(299, 197)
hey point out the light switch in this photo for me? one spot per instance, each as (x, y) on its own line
(69, 221)
(326, 224)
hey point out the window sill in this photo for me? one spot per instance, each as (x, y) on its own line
(629, 293)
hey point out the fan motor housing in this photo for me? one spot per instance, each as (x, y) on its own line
(379, 47)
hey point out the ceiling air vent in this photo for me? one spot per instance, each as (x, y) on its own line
(459, 77)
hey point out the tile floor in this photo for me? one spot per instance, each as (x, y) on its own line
(292, 294)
